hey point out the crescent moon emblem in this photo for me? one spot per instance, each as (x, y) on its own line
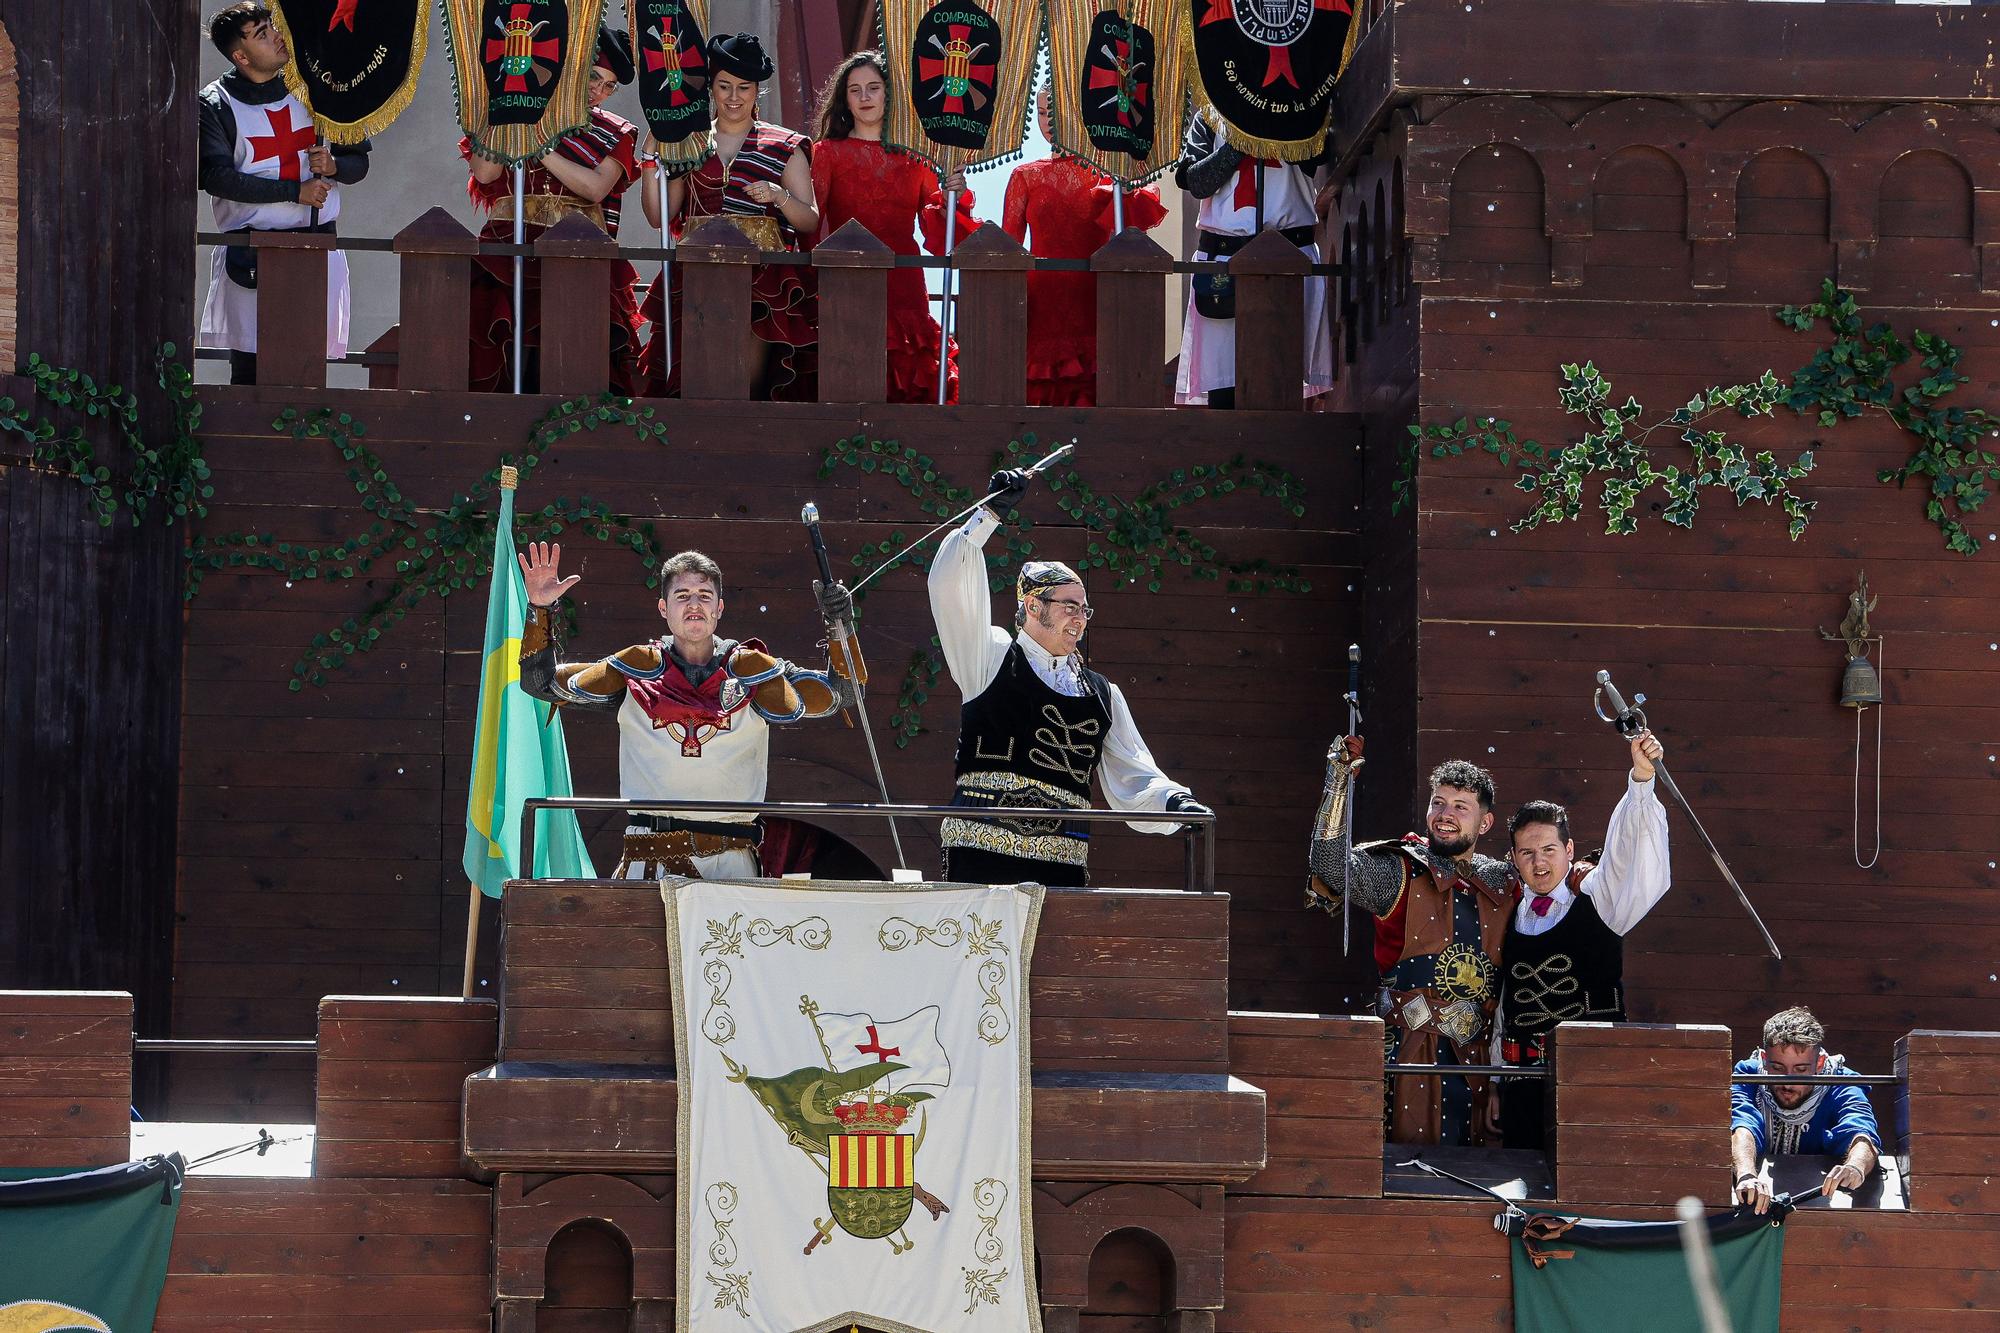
(47, 1317)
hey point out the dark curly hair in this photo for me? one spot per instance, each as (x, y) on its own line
(1466, 776)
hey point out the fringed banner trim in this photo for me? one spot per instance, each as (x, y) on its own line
(672, 72)
(568, 108)
(383, 115)
(1118, 72)
(961, 77)
(1284, 150)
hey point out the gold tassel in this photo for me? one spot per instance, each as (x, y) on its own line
(1284, 150)
(399, 101)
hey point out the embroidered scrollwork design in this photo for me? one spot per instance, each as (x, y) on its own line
(724, 939)
(732, 1292)
(899, 933)
(989, 1197)
(982, 1286)
(814, 932)
(717, 1023)
(720, 1200)
(983, 939)
(994, 1024)
(1065, 754)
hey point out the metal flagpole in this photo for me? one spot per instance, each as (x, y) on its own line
(1117, 208)
(1630, 721)
(520, 264)
(1353, 697)
(666, 330)
(843, 638)
(944, 311)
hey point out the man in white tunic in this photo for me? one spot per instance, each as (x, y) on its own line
(1563, 959)
(1229, 185)
(1037, 724)
(694, 712)
(264, 169)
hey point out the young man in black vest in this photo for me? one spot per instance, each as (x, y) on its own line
(1037, 724)
(1564, 956)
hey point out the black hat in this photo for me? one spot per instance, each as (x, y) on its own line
(614, 52)
(741, 55)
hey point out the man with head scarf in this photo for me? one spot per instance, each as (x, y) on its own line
(1770, 1119)
(1037, 724)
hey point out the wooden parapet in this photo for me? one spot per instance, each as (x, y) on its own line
(1642, 1113)
(1946, 1120)
(65, 1078)
(1322, 1082)
(391, 1082)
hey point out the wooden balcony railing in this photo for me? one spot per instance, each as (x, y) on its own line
(852, 266)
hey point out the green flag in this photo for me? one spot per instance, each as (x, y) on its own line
(517, 750)
(1582, 1273)
(86, 1249)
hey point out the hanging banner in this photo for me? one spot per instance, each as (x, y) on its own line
(1118, 86)
(853, 1137)
(962, 72)
(522, 71)
(86, 1250)
(1579, 1273)
(355, 66)
(1268, 68)
(671, 40)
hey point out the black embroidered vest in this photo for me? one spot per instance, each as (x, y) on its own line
(1021, 743)
(1572, 972)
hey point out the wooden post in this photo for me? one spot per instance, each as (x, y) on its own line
(992, 319)
(719, 355)
(1131, 273)
(1641, 1113)
(68, 1099)
(431, 347)
(291, 308)
(575, 338)
(1946, 1120)
(1322, 1081)
(853, 271)
(391, 1078)
(1270, 275)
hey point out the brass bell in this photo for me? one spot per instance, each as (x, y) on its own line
(1860, 686)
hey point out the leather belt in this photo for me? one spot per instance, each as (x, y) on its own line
(750, 835)
(1461, 1021)
(1218, 245)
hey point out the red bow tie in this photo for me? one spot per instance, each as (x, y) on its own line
(1541, 903)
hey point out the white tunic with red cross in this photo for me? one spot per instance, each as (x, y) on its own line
(271, 141)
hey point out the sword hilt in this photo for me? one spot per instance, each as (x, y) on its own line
(1630, 719)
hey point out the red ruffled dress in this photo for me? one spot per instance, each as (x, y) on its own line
(1063, 208)
(895, 193)
(784, 301)
(548, 201)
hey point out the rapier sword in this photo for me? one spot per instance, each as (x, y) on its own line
(1630, 721)
(1353, 697)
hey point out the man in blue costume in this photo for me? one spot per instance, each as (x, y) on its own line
(1766, 1119)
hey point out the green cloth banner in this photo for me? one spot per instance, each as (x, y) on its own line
(517, 749)
(86, 1249)
(1577, 1274)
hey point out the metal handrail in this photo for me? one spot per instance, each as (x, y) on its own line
(1198, 830)
(1395, 1070)
(225, 1045)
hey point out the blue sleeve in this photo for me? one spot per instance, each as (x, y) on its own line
(1743, 1112)
(1852, 1116)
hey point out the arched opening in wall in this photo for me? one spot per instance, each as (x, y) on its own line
(1640, 245)
(1131, 1275)
(10, 203)
(1399, 242)
(1384, 247)
(1924, 222)
(1349, 343)
(1782, 248)
(1496, 242)
(587, 1284)
(1364, 272)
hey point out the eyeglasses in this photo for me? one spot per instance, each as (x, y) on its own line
(1069, 607)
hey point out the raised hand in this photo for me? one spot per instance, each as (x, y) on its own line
(1646, 751)
(541, 572)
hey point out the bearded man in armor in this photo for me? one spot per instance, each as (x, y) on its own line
(1440, 912)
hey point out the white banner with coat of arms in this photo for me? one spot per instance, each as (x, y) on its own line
(853, 1138)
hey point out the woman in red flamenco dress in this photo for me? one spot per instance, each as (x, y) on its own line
(584, 172)
(893, 193)
(758, 175)
(1063, 208)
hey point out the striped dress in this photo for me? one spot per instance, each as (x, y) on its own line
(784, 302)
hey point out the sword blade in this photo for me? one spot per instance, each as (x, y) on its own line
(874, 756)
(1715, 855)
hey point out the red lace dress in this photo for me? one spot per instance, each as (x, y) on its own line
(784, 304)
(1063, 208)
(548, 201)
(895, 193)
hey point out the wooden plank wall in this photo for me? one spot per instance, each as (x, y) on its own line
(65, 1078)
(89, 613)
(1656, 240)
(321, 829)
(391, 1081)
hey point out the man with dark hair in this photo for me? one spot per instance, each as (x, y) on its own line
(1564, 956)
(264, 169)
(1037, 725)
(1766, 1119)
(694, 711)
(1440, 913)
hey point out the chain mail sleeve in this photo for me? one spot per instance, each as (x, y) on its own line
(1373, 877)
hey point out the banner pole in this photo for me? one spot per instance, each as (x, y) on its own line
(471, 938)
(1117, 208)
(666, 333)
(944, 312)
(520, 266)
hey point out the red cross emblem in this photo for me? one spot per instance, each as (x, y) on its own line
(961, 76)
(876, 1048)
(285, 142)
(517, 49)
(1279, 62)
(677, 65)
(1117, 80)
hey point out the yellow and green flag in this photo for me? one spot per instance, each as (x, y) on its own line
(517, 751)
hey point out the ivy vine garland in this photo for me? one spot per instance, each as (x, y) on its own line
(1132, 540)
(437, 551)
(1855, 374)
(172, 476)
